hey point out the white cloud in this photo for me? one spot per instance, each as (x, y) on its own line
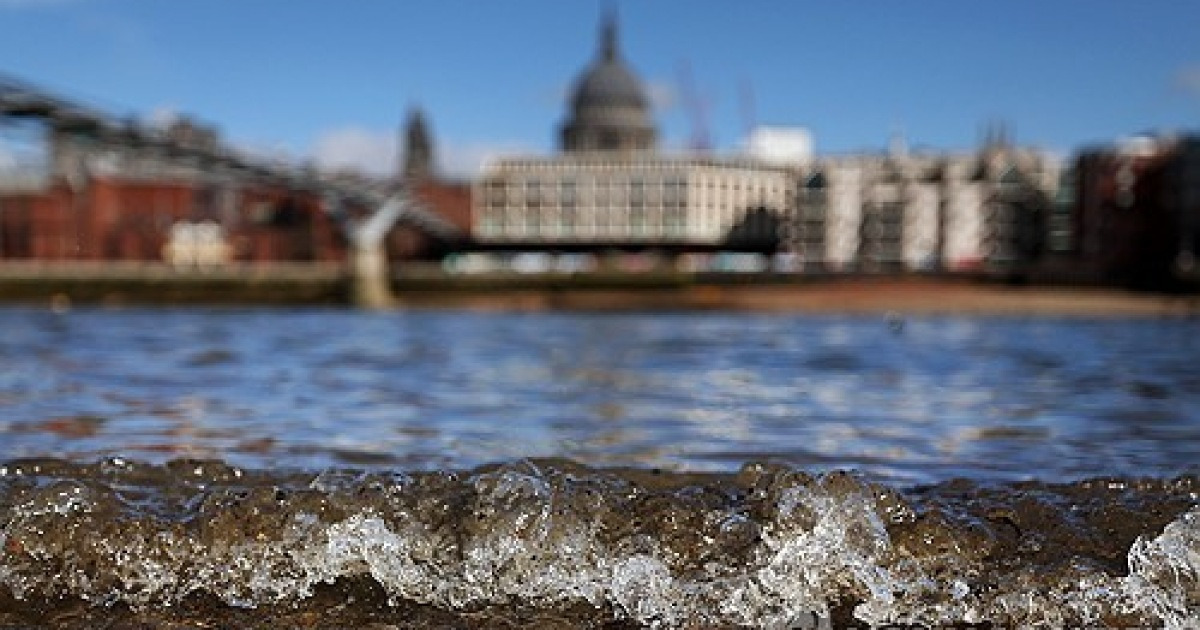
(780, 145)
(356, 149)
(467, 161)
(161, 117)
(267, 151)
(376, 152)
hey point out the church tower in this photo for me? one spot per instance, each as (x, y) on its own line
(417, 160)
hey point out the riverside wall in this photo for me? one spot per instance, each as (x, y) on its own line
(62, 284)
(152, 283)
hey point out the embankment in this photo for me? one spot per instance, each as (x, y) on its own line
(330, 284)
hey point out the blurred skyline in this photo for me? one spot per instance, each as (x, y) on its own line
(333, 82)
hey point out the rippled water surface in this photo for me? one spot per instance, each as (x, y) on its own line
(329, 469)
(937, 398)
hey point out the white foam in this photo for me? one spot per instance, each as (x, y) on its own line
(1164, 573)
(519, 535)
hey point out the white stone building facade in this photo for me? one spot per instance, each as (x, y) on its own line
(581, 198)
(609, 188)
(955, 212)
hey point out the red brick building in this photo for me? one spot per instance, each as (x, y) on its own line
(1135, 214)
(451, 201)
(109, 218)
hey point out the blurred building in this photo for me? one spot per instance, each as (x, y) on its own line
(78, 184)
(609, 108)
(417, 159)
(420, 176)
(609, 188)
(1136, 213)
(1182, 199)
(111, 192)
(929, 212)
(593, 200)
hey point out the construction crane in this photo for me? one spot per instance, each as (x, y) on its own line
(697, 109)
(747, 103)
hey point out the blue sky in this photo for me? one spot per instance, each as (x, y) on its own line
(332, 80)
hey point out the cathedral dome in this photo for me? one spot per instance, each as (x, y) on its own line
(609, 108)
(608, 83)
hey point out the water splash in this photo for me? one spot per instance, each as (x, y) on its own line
(769, 546)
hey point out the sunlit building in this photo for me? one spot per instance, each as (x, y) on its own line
(1136, 215)
(598, 199)
(610, 111)
(609, 187)
(419, 174)
(928, 212)
(102, 189)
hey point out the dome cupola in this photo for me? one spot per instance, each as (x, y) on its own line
(609, 108)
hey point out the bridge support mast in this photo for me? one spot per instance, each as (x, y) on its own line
(370, 277)
(370, 274)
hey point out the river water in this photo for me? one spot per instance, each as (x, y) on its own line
(341, 468)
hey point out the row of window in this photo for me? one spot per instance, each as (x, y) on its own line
(617, 216)
(668, 226)
(591, 205)
(536, 193)
(877, 241)
(499, 192)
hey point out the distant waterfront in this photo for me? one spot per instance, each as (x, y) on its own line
(428, 287)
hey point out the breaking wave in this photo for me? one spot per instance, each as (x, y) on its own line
(556, 542)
